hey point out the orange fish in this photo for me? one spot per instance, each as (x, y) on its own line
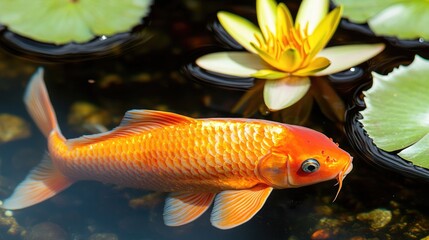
(234, 162)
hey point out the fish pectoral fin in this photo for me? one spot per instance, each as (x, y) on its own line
(43, 182)
(235, 207)
(183, 207)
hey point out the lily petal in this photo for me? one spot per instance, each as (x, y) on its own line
(343, 57)
(310, 13)
(269, 74)
(269, 59)
(284, 21)
(267, 15)
(318, 64)
(297, 113)
(239, 64)
(282, 93)
(289, 61)
(241, 29)
(324, 31)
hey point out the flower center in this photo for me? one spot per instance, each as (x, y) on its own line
(287, 50)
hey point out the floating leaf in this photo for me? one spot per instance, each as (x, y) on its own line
(405, 19)
(61, 22)
(362, 10)
(397, 111)
(418, 153)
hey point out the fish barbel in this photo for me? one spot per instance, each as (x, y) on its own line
(232, 162)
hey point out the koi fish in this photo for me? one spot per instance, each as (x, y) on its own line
(233, 162)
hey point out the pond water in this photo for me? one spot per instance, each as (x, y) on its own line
(374, 203)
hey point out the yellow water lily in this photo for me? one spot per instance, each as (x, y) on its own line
(285, 53)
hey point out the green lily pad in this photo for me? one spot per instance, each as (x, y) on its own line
(417, 153)
(397, 111)
(404, 19)
(62, 22)
(361, 11)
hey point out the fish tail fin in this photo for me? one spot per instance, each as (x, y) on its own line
(39, 106)
(43, 182)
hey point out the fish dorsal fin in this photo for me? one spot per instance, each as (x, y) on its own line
(134, 121)
(235, 207)
(149, 119)
(182, 208)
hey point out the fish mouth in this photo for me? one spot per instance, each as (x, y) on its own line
(349, 169)
(341, 175)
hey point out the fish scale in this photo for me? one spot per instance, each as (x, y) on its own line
(204, 153)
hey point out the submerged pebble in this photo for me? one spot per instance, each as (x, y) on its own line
(103, 236)
(8, 221)
(321, 234)
(46, 231)
(110, 80)
(8, 213)
(149, 200)
(377, 218)
(87, 117)
(12, 128)
(324, 210)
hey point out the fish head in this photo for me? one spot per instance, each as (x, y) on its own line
(305, 157)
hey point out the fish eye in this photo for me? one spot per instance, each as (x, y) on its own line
(310, 165)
